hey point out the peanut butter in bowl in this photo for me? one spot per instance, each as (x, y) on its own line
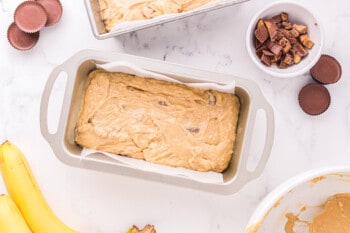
(333, 218)
(316, 201)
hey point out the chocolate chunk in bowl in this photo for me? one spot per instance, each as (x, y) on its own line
(284, 39)
(68, 151)
(281, 42)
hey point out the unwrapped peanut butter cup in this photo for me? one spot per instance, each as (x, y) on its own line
(21, 40)
(327, 70)
(30, 16)
(314, 99)
(53, 9)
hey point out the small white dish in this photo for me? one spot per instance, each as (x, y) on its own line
(297, 14)
(302, 195)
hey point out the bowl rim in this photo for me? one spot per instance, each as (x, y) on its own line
(265, 68)
(274, 196)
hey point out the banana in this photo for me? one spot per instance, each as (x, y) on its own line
(11, 219)
(24, 190)
(147, 229)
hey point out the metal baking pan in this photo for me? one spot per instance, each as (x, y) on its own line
(77, 69)
(99, 31)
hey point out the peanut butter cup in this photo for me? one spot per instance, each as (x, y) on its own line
(327, 70)
(53, 9)
(21, 40)
(30, 16)
(314, 99)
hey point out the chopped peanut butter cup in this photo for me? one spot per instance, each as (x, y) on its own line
(314, 99)
(53, 9)
(327, 70)
(21, 40)
(30, 16)
(281, 42)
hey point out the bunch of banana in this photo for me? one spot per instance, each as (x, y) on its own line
(11, 219)
(25, 209)
(25, 193)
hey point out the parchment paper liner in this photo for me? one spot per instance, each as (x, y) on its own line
(205, 177)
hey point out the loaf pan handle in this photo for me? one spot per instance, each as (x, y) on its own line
(258, 102)
(45, 98)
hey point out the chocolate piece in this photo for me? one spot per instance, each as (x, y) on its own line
(281, 42)
(289, 35)
(257, 43)
(299, 50)
(302, 29)
(30, 16)
(259, 51)
(296, 58)
(260, 23)
(21, 40)
(272, 29)
(284, 42)
(287, 25)
(327, 70)
(163, 103)
(268, 53)
(282, 65)
(277, 19)
(276, 49)
(284, 16)
(193, 130)
(294, 32)
(288, 59)
(266, 60)
(314, 99)
(305, 40)
(53, 9)
(261, 34)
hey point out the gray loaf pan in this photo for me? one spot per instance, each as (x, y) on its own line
(98, 28)
(77, 69)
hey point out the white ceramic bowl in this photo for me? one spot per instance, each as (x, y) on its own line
(297, 14)
(301, 195)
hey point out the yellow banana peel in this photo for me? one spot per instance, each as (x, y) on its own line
(11, 219)
(147, 229)
(24, 191)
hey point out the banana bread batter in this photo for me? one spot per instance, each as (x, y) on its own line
(158, 121)
(116, 11)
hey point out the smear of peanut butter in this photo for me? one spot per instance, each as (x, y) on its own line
(317, 179)
(290, 223)
(254, 228)
(292, 219)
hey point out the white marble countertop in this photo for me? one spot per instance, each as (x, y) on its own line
(94, 202)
